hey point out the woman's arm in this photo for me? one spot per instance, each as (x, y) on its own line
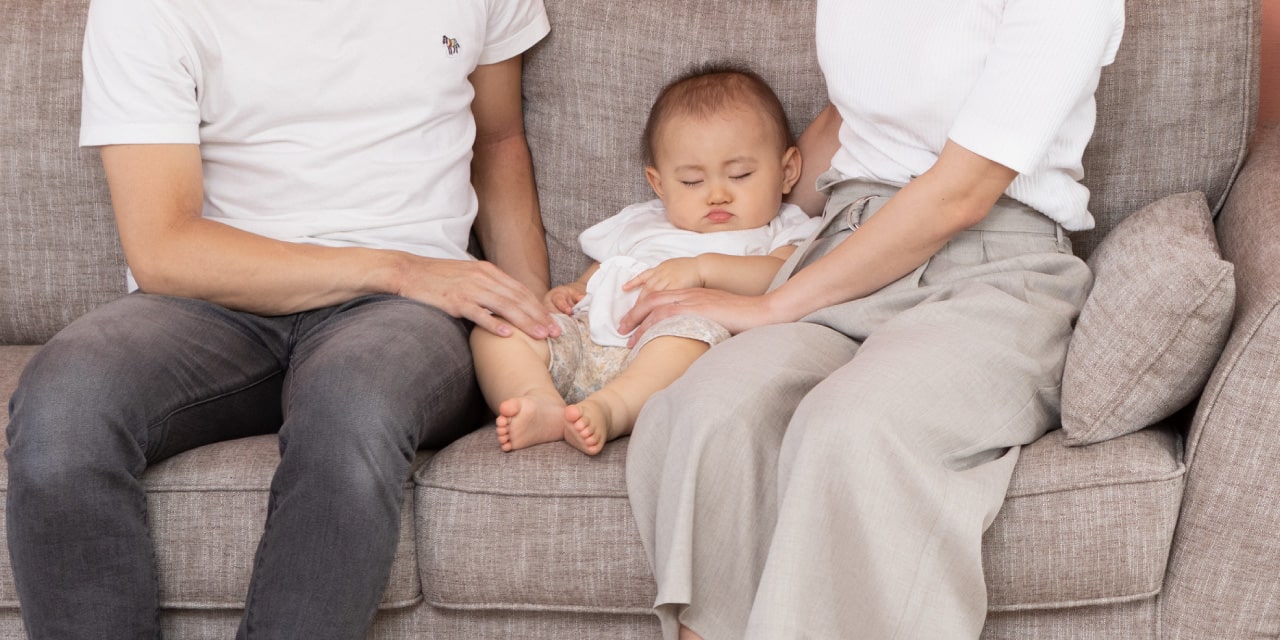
(744, 275)
(953, 195)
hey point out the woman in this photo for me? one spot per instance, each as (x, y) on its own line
(829, 472)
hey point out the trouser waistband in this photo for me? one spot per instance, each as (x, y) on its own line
(853, 201)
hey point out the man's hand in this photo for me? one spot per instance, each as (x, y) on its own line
(479, 292)
(564, 297)
(676, 273)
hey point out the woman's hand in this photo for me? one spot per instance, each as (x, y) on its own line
(676, 273)
(564, 297)
(737, 313)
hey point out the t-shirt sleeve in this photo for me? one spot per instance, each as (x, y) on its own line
(513, 27)
(139, 81)
(1045, 61)
(603, 240)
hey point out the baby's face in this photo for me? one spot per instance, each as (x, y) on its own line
(723, 172)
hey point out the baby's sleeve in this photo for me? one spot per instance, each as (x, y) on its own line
(792, 226)
(609, 237)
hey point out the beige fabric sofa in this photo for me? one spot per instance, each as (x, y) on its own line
(1169, 532)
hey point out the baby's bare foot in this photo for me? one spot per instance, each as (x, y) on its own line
(588, 425)
(529, 420)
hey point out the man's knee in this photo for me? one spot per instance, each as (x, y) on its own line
(69, 403)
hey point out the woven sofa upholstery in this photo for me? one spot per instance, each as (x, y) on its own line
(1168, 532)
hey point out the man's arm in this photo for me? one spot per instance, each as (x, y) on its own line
(509, 223)
(157, 195)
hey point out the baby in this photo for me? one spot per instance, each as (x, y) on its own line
(720, 157)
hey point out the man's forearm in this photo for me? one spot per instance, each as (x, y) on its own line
(211, 261)
(509, 223)
(157, 194)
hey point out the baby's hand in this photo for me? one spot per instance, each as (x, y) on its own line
(676, 273)
(563, 297)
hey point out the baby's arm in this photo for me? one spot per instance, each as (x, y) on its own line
(563, 297)
(745, 275)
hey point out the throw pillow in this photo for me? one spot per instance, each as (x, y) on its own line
(1154, 324)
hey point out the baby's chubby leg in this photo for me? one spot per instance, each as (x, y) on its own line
(517, 386)
(611, 412)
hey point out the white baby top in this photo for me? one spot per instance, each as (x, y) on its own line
(340, 123)
(640, 237)
(1010, 80)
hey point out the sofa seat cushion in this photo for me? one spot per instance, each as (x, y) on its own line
(1085, 525)
(545, 528)
(1082, 525)
(207, 507)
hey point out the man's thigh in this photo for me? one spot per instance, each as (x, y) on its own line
(174, 373)
(385, 362)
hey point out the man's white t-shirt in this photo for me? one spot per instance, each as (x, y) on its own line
(641, 237)
(1010, 80)
(339, 123)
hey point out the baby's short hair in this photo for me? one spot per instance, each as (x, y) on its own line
(708, 89)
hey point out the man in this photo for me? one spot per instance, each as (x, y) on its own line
(293, 188)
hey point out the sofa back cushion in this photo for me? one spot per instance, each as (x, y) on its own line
(589, 85)
(1176, 109)
(1171, 116)
(59, 252)
(1175, 112)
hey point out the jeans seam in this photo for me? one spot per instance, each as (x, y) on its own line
(203, 401)
(254, 584)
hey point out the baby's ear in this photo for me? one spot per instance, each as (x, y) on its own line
(655, 181)
(792, 164)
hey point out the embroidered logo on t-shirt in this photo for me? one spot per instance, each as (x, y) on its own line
(451, 45)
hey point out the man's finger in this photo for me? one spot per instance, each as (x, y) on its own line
(488, 322)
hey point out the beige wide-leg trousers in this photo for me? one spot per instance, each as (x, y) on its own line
(832, 478)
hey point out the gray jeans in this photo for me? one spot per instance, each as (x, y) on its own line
(353, 390)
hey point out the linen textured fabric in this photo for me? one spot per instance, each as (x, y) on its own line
(59, 252)
(872, 444)
(542, 507)
(588, 92)
(1098, 520)
(1168, 122)
(1154, 324)
(1222, 566)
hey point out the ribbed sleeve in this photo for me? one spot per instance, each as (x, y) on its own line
(1011, 80)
